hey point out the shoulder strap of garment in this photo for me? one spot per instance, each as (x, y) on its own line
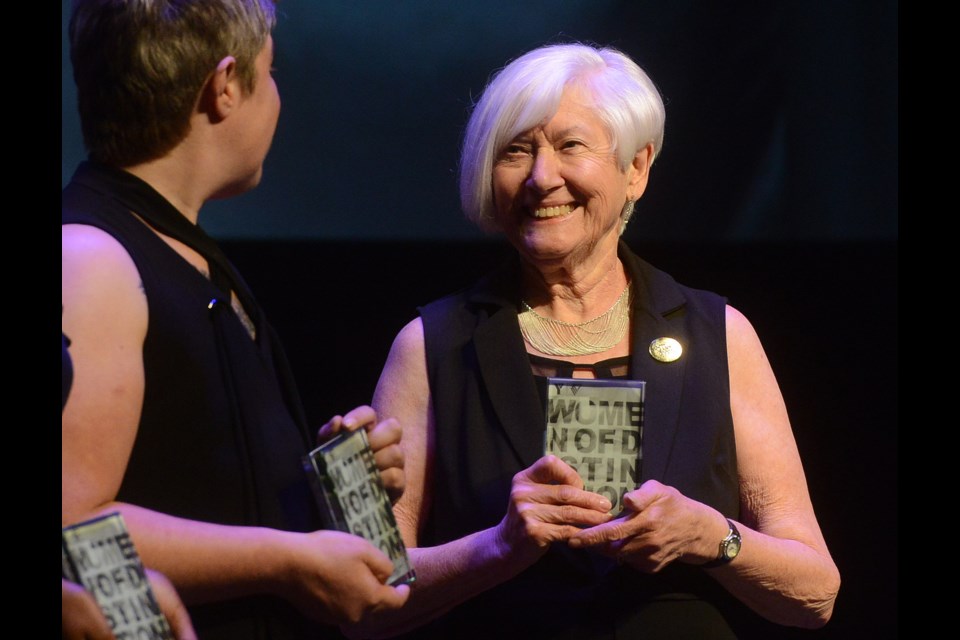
(138, 196)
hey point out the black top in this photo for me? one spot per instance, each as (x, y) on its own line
(67, 368)
(489, 425)
(221, 433)
(544, 367)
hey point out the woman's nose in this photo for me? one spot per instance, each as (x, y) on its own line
(545, 172)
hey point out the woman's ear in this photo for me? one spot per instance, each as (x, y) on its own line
(221, 93)
(639, 172)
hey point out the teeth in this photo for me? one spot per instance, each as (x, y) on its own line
(552, 212)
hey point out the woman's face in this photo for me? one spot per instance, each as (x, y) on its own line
(558, 189)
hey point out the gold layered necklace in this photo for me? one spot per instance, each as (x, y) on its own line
(559, 338)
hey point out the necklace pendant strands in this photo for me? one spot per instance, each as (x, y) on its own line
(560, 338)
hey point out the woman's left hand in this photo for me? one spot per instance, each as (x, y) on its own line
(384, 438)
(659, 525)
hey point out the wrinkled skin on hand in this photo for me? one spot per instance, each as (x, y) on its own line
(658, 525)
(547, 505)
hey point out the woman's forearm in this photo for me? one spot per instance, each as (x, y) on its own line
(785, 581)
(447, 575)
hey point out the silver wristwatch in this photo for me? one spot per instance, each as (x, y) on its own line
(729, 547)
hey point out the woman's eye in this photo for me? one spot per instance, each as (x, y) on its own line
(515, 152)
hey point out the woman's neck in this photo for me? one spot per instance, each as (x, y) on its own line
(574, 293)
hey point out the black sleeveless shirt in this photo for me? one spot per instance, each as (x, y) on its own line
(489, 424)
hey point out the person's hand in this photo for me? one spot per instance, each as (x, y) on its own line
(171, 606)
(659, 525)
(82, 619)
(339, 578)
(384, 438)
(547, 505)
(80, 615)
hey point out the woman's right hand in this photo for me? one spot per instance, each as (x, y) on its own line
(336, 577)
(548, 504)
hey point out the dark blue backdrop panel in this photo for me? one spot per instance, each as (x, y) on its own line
(781, 117)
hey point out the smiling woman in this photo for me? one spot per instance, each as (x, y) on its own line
(557, 151)
(559, 192)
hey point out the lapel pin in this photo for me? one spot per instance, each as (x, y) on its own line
(665, 349)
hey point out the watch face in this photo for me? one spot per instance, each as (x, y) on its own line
(732, 548)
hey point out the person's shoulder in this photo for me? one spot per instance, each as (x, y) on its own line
(87, 242)
(466, 302)
(451, 319)
(496, 288)
(438, 318)
(739, 329)
(446, 302)
(92, 253)
(101, 289)
(410, 336)
(703, 298)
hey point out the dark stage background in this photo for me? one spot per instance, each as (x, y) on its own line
(781, 116)
(826, 313)
(777, 187)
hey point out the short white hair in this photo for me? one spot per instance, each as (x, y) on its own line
(527, 92)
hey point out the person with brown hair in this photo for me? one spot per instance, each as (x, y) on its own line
(183, 414)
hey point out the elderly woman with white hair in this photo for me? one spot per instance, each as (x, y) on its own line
(505, 540)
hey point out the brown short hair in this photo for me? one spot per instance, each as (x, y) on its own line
(139, 66)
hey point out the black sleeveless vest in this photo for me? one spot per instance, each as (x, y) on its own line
(490, 423)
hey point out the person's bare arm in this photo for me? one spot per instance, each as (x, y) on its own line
(331, 576)
(451, 573)
(784, 570)
(105, 317)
